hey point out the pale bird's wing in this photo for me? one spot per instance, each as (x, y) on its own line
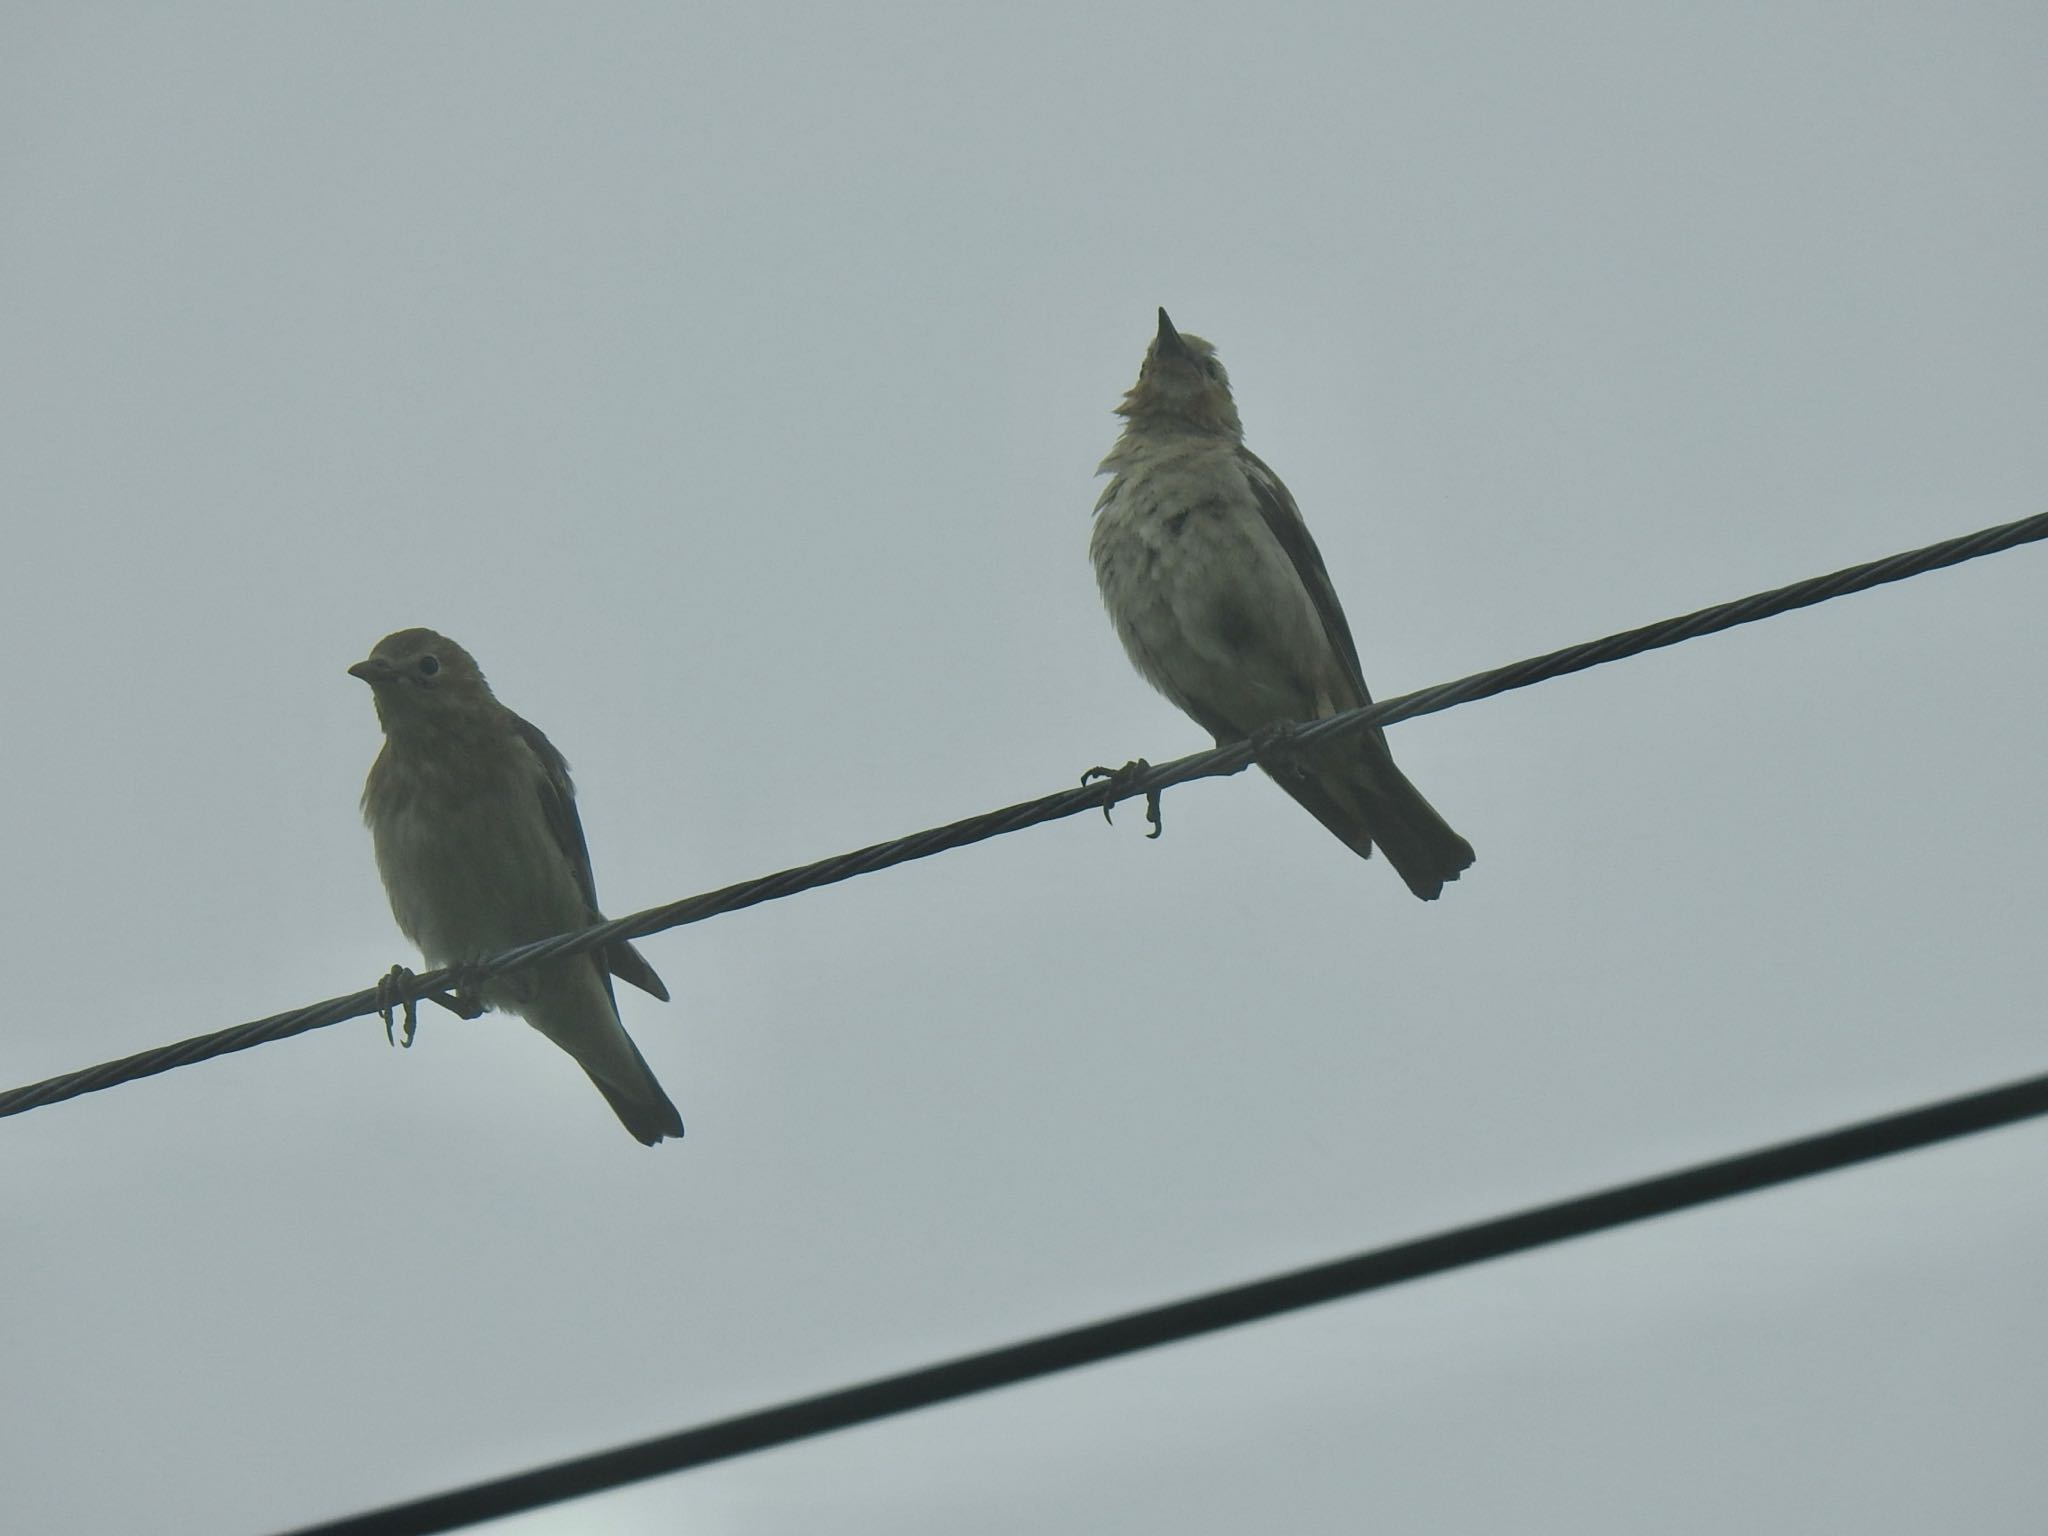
(1284, 521)
(558, 805)
(1370, 800)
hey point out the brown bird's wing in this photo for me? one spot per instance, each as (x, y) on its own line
(558, 804)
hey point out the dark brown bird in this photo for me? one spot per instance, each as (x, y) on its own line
(477, 837)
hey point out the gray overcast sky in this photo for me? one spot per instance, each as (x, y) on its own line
(730, 381)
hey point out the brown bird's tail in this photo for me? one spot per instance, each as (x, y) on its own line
(574, 1007)
(1359, 794)
(639, 1102)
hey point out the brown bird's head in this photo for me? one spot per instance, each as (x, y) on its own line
(1181, 386)
(419, 677)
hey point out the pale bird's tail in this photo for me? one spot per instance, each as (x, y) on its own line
(641, 1105)
(1356, 790)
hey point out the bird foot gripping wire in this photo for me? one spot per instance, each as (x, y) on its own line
(1118, 779)
(392, 998)
(1274, 748)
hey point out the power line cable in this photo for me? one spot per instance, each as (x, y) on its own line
(1137, 780)
(1048, 1354)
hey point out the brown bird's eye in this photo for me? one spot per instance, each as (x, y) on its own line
(429, 665)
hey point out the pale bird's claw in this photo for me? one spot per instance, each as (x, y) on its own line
(390, 1000)
(1117, 778)
(461, 999)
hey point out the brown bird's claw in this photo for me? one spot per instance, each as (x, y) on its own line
(1117, 778)
(391, 999)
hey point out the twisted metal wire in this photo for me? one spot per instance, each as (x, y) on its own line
(1138, 780)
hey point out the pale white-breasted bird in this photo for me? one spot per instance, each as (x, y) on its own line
(474, 821)
(1222, 600)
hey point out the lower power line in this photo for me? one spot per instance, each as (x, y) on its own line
(1095, 1342)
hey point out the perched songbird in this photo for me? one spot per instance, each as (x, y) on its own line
(474, 821)
(1221, 599)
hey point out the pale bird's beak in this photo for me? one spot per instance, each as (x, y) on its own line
(1168, 343)
(374, 671)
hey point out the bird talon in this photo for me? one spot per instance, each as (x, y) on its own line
(461, 998)
(1117, 779)
(390, 1000)
(1111, 775)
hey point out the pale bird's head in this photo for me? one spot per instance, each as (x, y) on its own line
(1182, 385)
(419, 677)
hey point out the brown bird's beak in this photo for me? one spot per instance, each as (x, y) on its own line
(374, 671)
(1168, 343)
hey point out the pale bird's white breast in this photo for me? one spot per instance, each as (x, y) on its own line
(1207, 603)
